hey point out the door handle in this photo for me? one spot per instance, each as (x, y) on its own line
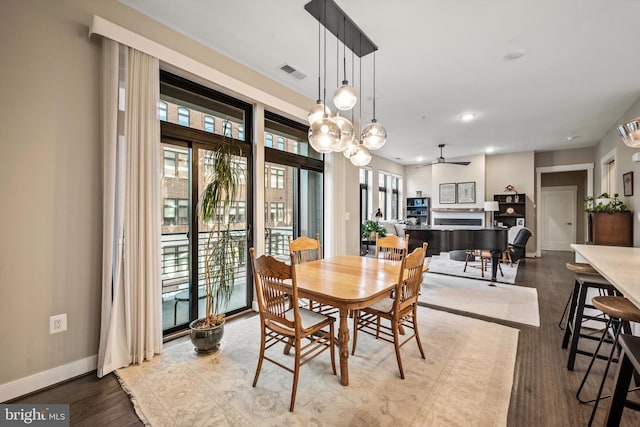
(569, 223)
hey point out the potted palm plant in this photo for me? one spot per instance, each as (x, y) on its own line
(222, 251)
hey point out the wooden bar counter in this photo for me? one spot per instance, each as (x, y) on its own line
(619, 265)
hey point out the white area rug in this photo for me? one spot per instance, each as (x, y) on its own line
(465, 380)
(507, 302)
(443, 265)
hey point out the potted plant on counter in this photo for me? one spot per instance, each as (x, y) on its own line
(610, 221)
(222, 251)
(604, 203)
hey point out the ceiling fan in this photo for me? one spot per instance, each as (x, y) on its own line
(441, 160)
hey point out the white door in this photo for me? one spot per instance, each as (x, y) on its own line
(558, 218)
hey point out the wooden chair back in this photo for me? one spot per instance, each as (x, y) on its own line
(274, 297)
(304, 249)
(410, 278)
(392, 247)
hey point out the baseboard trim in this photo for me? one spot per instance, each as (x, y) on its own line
(43, 379)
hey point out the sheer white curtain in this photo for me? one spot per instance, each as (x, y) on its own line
(131, 317)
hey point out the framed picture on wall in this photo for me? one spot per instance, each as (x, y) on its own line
(627, 182)
(447, 193)
(520, 222)
(466, 192)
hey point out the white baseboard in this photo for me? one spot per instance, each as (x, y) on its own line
(530, 255)
(44, 379)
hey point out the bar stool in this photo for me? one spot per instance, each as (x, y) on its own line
(576, 267)
(621, 311)
(583, 282)
(630, 362)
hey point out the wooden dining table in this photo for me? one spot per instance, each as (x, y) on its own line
(347, 283)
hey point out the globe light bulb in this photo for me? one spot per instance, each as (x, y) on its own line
(345, 97)
(360, 156)
(374, 135)
(323, 134)
(346, 133)
(350, 147)
(317, 112)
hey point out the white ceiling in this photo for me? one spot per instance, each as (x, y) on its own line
(438, 59)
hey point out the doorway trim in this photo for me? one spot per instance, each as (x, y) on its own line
(561, 168)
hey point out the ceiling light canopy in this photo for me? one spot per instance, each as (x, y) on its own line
(630, 133)
(467, 117)
(330, 133)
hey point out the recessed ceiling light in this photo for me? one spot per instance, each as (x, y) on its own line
(572, 137)
(419, 159)
(467, 117)
(490, 150)
(515, 54)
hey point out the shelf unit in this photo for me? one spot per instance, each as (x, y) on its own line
(418, 207)
(511, 207)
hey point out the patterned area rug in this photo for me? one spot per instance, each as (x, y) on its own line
(465, 380)
(506, 302)
(443, 265)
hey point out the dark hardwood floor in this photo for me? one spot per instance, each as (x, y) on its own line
(543, 391)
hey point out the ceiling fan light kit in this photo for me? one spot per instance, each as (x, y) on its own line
(329, 133)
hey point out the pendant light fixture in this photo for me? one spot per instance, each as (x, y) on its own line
(360, 155)
(630, 133)
(324, 133)
(319, 110)
(345, 97)
(337, 134)
(374, 135)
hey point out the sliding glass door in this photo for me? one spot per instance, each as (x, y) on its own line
(194, 121)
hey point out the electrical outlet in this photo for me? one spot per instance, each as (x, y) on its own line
(58, 323)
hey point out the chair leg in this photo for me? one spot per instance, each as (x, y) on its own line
(571, 314)
(296, 372)
(415, 330)
(396, 343)
(577, 325)
(593, 359)
(260, 359)
(332, 339)
(564, 313)
(604, 376)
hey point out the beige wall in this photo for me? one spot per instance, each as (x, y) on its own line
(612, 141)
(564, 157)
(50, 179)
(516, 169)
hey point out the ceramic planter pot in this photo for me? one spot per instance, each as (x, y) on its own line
(206, 340)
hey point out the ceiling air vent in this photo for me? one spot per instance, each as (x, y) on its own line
(292, 71)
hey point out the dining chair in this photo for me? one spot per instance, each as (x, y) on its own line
(282, 320)
(400, 309)
(305, 249)
(391, 247)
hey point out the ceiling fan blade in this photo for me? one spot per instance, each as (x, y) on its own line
(458, 163)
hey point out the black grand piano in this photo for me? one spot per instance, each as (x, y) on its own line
(446, 239)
